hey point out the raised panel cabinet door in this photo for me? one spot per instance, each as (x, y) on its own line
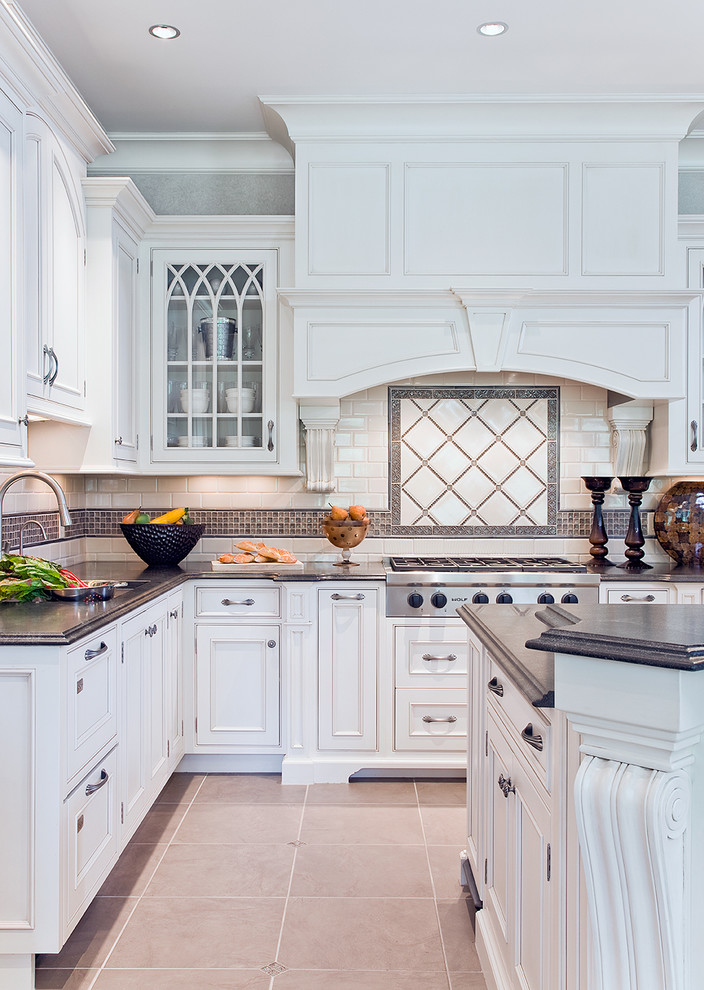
(135, 713)
(533, 886)
(347, 666)
(12, 432)
(237, 686)
(67, 278)
(500, 849)
(174, 664)
(125, 288)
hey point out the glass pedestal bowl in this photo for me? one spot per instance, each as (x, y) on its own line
(345, 534)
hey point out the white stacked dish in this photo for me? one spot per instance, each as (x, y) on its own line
(235, 441)
(195, 400)
(195, 442)
(240, 397)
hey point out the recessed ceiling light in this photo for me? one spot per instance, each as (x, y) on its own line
(165, 31)
(492, 29)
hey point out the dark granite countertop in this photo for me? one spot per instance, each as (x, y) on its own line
(523, 639)
(504, 630)
(62, 623)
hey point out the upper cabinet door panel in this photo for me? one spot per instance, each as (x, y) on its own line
(12, 438)
(492, 219)
(67, 246)
(54, 219)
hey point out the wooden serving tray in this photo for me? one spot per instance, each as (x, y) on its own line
(272, 566)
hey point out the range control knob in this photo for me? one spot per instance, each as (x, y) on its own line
(480, 598)
(569, 599)
(504, 598)
(415, 600)
(545, 599)
(439, 600)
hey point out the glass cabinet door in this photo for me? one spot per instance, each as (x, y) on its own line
(212, 390)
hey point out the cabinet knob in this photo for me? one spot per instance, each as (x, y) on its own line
(505, 785)
(271, 644)
(174, 613)
(119, 441)
(23, 420)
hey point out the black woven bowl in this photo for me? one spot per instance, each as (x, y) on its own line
(162, 543)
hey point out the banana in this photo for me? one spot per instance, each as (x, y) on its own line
(170, 517)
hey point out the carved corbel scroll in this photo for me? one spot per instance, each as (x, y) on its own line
(629, 438)
(320, 422)
(633, 836)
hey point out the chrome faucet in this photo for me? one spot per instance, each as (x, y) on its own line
(23, 527)
(56, 488)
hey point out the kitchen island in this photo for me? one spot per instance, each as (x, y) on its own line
(602, 792)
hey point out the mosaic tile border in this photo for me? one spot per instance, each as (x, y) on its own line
(292, 523)
(551, 394)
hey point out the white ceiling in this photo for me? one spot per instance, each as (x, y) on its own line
(229, 53)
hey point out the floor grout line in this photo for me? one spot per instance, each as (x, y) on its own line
(290, 883)
(151, 877)
(432, 885)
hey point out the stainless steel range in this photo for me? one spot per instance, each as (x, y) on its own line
(436, 586)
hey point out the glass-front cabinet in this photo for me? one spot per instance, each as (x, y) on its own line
(214, 357)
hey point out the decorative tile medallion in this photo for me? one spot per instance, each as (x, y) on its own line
(474, 461)
(274, 969)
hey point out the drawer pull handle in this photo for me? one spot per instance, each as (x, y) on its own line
(92, 654)
(496, 687)
(246, 601)
(505, 785)
(438, 718)
(431, 656)
(637, 598)
(533, 739)
(92, 788)
(348, 598)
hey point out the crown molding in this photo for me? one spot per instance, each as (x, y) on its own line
(457, 118)
(43, 83)
(181, 152)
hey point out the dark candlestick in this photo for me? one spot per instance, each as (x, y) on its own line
(598, 486)
(634, 537)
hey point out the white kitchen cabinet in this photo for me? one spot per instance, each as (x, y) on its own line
(518, 903)
(91, 693)
(13, 436)
(54, 259)
(430, 665)
(145, 756)
(236, 674)
(117, 217)
(347, 666)
(175, 738)
(91, 830)
(637, 593)
(220, 361)
(477, 677)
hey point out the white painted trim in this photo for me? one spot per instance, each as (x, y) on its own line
(186, 152)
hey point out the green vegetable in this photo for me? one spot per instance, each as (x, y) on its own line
(27, 579)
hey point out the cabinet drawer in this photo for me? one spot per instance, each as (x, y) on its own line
(527, 728)
(91, 700)
(431, 720)
(430, 657)
(91, 823)
(239, 600)
(639, 594)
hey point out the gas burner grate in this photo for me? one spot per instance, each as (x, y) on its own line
(485, 564)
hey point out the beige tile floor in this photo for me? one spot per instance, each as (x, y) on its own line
(234, 882)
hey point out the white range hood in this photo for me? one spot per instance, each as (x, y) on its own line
(532, 235)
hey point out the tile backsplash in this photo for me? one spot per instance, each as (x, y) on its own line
(280, 507)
